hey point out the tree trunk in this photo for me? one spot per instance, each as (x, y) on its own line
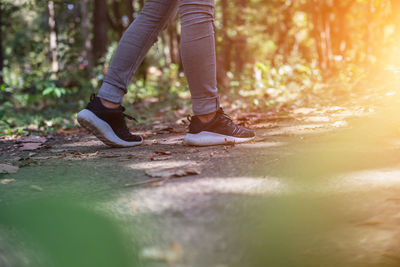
(118, 18)
(142, 70)
(1, 47)
(53, 39)
(87, 46)
(224, 55)
(100, 29)
(174, 43)
(240, 40)
(166, 49)
(130, 10)
(322, 35)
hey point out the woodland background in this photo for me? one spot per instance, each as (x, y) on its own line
(272, 54)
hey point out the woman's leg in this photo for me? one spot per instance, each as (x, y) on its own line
(134, 45)
(198, 53)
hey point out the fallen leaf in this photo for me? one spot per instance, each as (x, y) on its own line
(92, 154)
(192, 150)
(304, 111)
(173, 140)
(162, 152)
(36, 188)
(132, 208)
(169, 255)
(7, 181)
(6, 168)
(160, 158)
(31, 139)
(264, 125)
(30, 146)
(160, 183)
(340, 124)
(174, 171)
(68, 131)
(230, 143)
(316, 119)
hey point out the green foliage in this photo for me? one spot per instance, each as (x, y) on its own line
(270, 53)
(62, 232)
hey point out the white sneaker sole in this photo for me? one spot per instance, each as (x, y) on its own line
(211, 139)
(102, 130)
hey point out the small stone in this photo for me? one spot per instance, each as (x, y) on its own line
(6, 168)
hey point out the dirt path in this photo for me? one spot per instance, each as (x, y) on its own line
(320, 187)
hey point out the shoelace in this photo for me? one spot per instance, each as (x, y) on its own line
(128, 116)
(221, 112)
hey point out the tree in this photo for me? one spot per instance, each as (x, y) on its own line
(100, 40)
(87, 45)
(1, 46)
(53, 39)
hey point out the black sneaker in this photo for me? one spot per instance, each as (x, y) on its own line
(108, 124)
(219, 131)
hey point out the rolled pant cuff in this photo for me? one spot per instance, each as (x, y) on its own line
(111, 93)
(205, 106)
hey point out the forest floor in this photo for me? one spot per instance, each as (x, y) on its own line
(320, 186)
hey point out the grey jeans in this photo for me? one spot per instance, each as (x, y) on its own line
(197, 50)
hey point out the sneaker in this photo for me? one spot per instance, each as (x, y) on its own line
(108, 124)
(219, 131)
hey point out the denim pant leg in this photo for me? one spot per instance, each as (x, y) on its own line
(197, 50)
(198, 53)
(134, 45)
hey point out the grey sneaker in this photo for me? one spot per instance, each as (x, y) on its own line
(219, 131)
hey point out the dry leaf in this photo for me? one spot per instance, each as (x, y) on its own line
(5, 168)
(174, 171)
(30, 146)
(143, 183)
(160, 158)
(68, 131)
(340, 124)
(162, 152)
(230, 143)
(132, 208)
(7, 181)
(36, 188)
(31, 139)
(169, 255)
(173, 140)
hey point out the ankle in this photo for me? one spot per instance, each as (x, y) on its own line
(109, 104)
(207, 117)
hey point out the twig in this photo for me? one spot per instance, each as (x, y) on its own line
(144, 182)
